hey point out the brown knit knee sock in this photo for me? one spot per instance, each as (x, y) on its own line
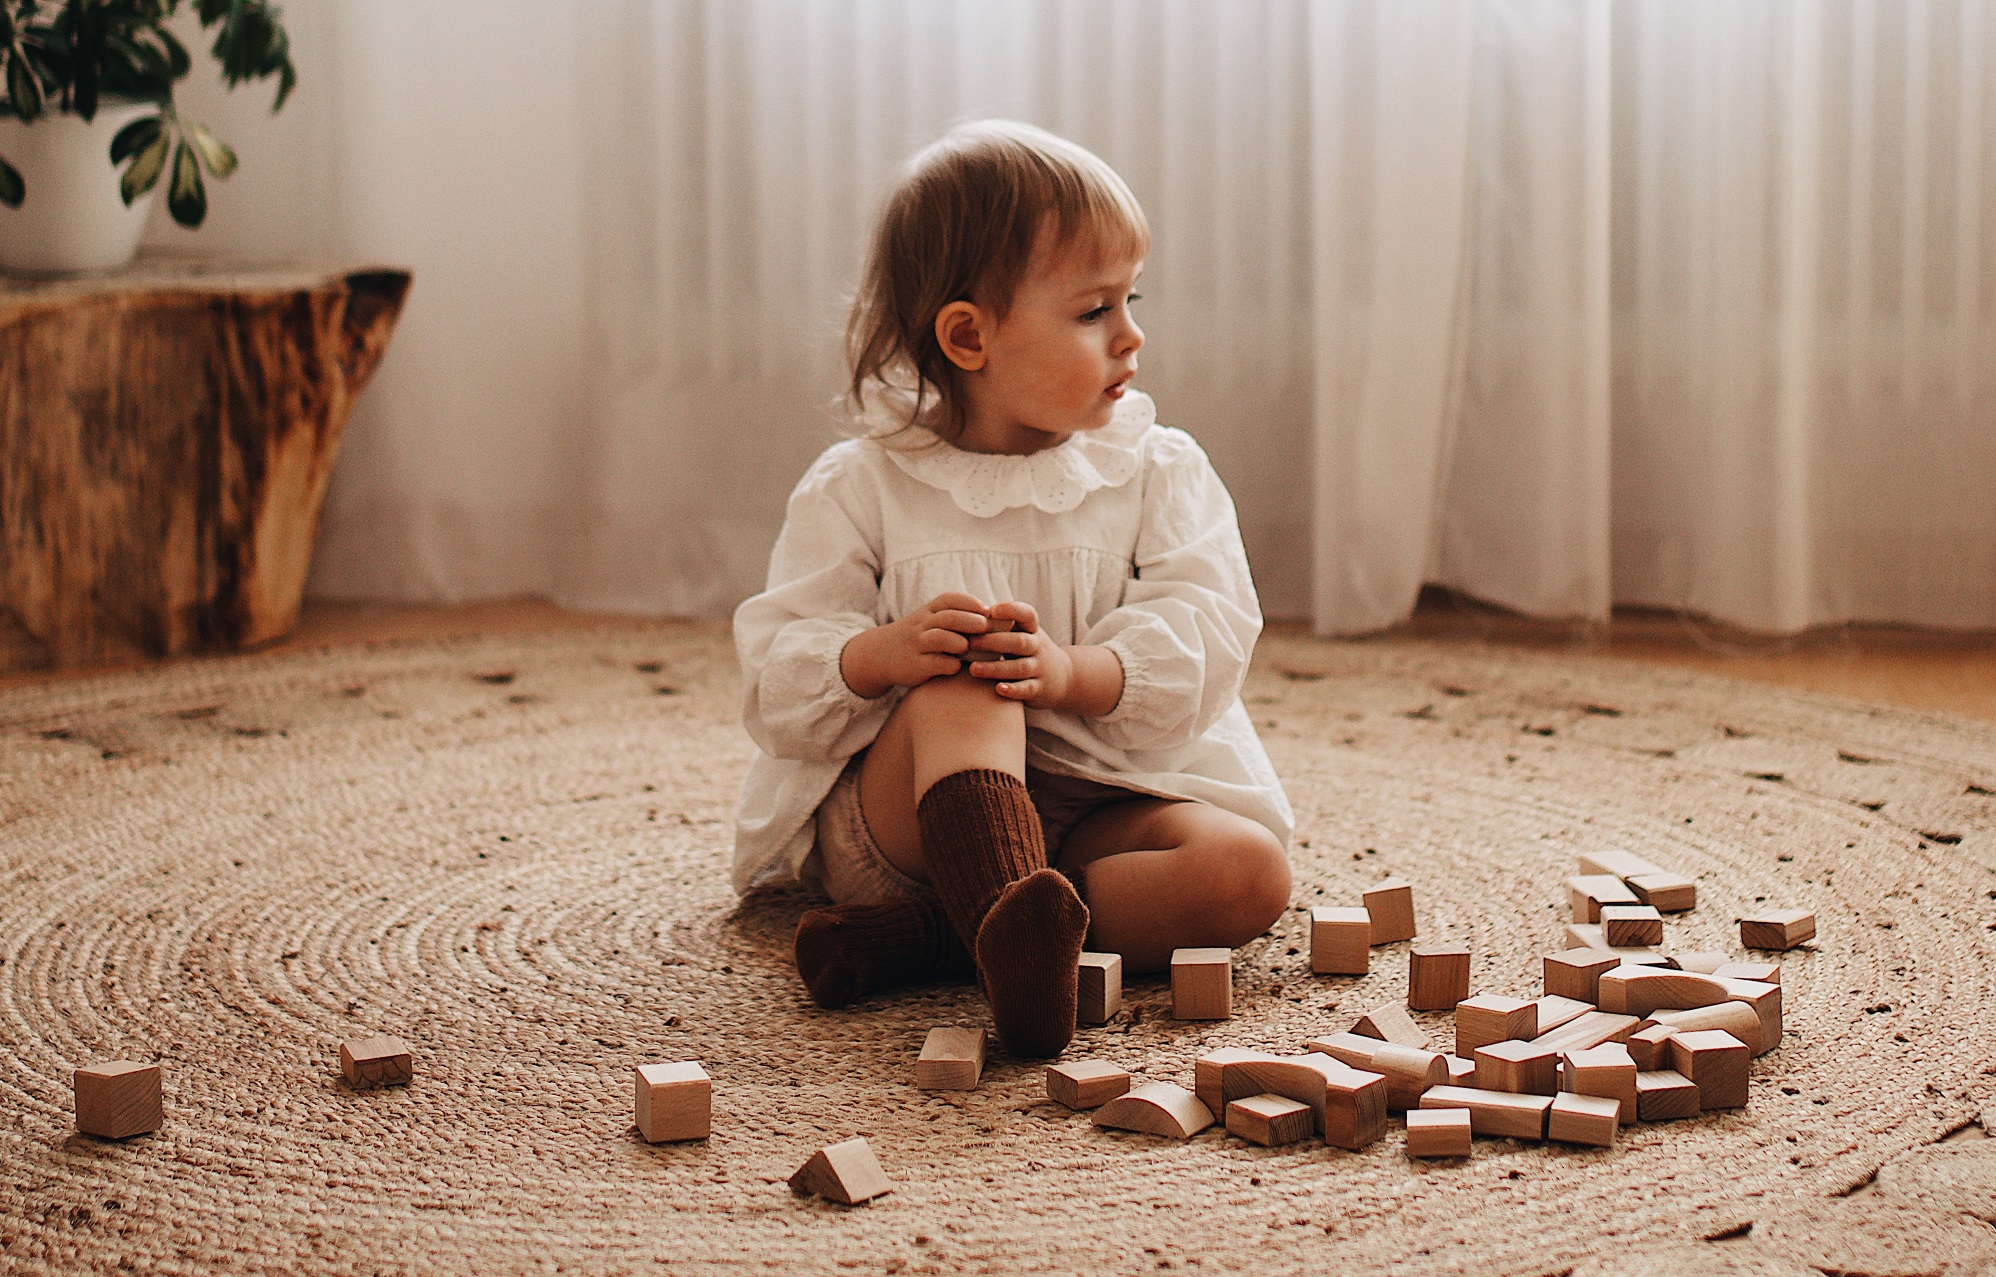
(848, 951)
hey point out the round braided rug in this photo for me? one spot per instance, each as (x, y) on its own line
(513, 854)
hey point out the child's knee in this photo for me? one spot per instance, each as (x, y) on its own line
(1251, 881)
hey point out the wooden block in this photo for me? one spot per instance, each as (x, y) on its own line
(1156, 1108)
(1649, 1047)
(1555, 1011)
(1736, 1018)
(1202, 984)
(1270, 1120)
(1631, 926)
(1209, 1071)
(1592, 1029)
(1348, 1105)
(1497, 1113)
(1589, 935)
(952, 1060)
(1492, 1017)
(1668, 892)
(1664, 1095)
(1354, 1109)
(847, 1173)
(1390, 906)
(1583, 1119)
(1409, 1072)
(1391, 1023)
(1085, 1084)
(1340, 941)
(1703, 963)
(1716, 1062)
(1622, 864)
(1576, 972)
(1777, 929)
(1522, 1068)
(1586, 893)
(1461, 1072)
(1638, 991)
(378, 1061)
(1099, 989)
(1351, 1049)
(1765, 999)
(1438, 1133)
(674, 1102)
(1437, 977)
(1760, 972)
(1606, 1071)
(118, 1099)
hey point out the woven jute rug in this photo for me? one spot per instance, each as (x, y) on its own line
(513, 854)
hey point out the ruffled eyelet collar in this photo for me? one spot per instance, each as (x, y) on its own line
(1055, 480)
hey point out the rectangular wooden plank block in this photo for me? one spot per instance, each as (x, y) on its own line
(117, 1099)
(1716, 1062)
(1495, 1113)
(1099, 988)
(952, 1059)
(847, 1173)
(1437, 977)
(1592, 1029)
(674, 1101)
(1086, 1084)
(1607, 1071)
(1668, 892)
(1202, 984)
(1576, 972)
(1586, 893)
(1637, 991)
(1777, 928)
(1389, 904)
(1391, 1023)
(1622, 864)
(1631, 926)
(1583, 1119)
(376, 1061)
(1438, 1132)
(1523, 1068)
(1665, 1095)
(1340, 941)
(1492, 1017)
(1270, 1120)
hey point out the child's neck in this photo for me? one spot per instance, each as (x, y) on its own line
(999, 437)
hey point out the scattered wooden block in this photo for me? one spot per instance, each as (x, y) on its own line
(1664, 1095)
(847, 1173)
(1354, 1114)
(1085, 1084)
(1701, 963)
(1437, 977)
(1438, 1132)
(1555, 1011)
(1340, 941)
(1592, 1029)
(1631, 926)
(1492, 1017)
(1391, 1023)
(377, 1061)
(1409, 1072)
(1156, 1108)
(1351, 1049)
(1522, 1068)
(1461, 1072)
(1209, 1072)
(1496, 1113)
(1583, 1119)
(1736, 1018)
(1202, 984)
(1586, 893)
(1765, 999)
(1099, 988)
(1270, 1120)
(1607, 1071)
(1668, 892)
(952, 1059)
(1638, 991)
(1778, 929)
(674, 1102)
(1648, 1047)
(1390, 906)
(1307, 1079)
(1576, 972)
(1716, 1063)
(1590, 936)
(1622, 864)
(118, 1099)
(1760, 972)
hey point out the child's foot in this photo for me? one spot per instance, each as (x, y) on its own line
(1028, 953)
(849, 951)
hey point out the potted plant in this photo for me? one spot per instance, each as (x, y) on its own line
(88, 125)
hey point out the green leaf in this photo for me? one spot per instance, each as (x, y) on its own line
(24, 87)
(176, 53)
(187, 196)
(145, 169)
(135, 137)
(221, 161)
(12, 189)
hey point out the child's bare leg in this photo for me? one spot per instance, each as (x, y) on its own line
(1161, 875)
(945, 726)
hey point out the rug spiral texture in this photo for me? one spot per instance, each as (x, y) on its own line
(513, 854)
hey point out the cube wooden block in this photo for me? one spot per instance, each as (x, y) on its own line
(1607, 1071)
(1390, 906)
(1638, 991)
(1340, 941)
(952, 1059)
(1631, 926)
(1622, 864)
(1437, 977)
(847, 1173)
(674, 1102)
(1778, 929)
(1592, 1029)
(1202, 984)
(118, 1099)
(1589, 935)
(1586, 893)
(1085, 1084)
(1391, 1023)
(1099, 988)
(1736, 1018)
(1555, 1011)
(1649, 1047)
(1583, 1119)
(377, 1061)
(1156, 1108)
(1668, 892)
(1523, 1068)
(1492, 1017)
(1270, 1120)
(1576, 972)
(1494, 1113)
(1664, 1095)
(1716, 1063)
(1438, 1133)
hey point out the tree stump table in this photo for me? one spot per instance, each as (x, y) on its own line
(166, 436)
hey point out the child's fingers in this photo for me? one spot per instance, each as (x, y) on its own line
(1023, 690)
(1009, 671)
(1022, 615)
(1017, 643)
(957, 601)
(946, 641)
(934, 666)
(959, 622)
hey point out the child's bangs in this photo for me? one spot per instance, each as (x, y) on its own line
(1097, 220)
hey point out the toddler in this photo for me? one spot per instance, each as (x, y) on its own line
(995, 676)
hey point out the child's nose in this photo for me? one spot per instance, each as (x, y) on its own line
(1130, 340)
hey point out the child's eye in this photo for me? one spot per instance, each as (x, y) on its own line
(1093, 315)
(1133, 298)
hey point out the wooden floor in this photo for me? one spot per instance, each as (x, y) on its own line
(1918, 669)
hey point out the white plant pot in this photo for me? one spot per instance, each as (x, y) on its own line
(73, 219)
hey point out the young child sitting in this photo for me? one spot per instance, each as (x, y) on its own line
(995, 676)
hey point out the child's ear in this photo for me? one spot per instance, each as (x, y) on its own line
(960, 332)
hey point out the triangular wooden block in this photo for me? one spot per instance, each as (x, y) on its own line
(847, 1173)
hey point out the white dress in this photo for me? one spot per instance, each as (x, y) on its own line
(1123, 537)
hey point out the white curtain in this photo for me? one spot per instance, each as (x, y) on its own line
(1559, 302)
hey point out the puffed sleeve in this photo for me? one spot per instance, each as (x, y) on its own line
(824, 584)
(1189, 617)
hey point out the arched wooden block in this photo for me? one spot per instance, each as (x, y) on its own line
(1156, 1108)
(1347, 1105)
(1631, 990)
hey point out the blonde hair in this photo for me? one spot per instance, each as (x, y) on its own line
(962, 225)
